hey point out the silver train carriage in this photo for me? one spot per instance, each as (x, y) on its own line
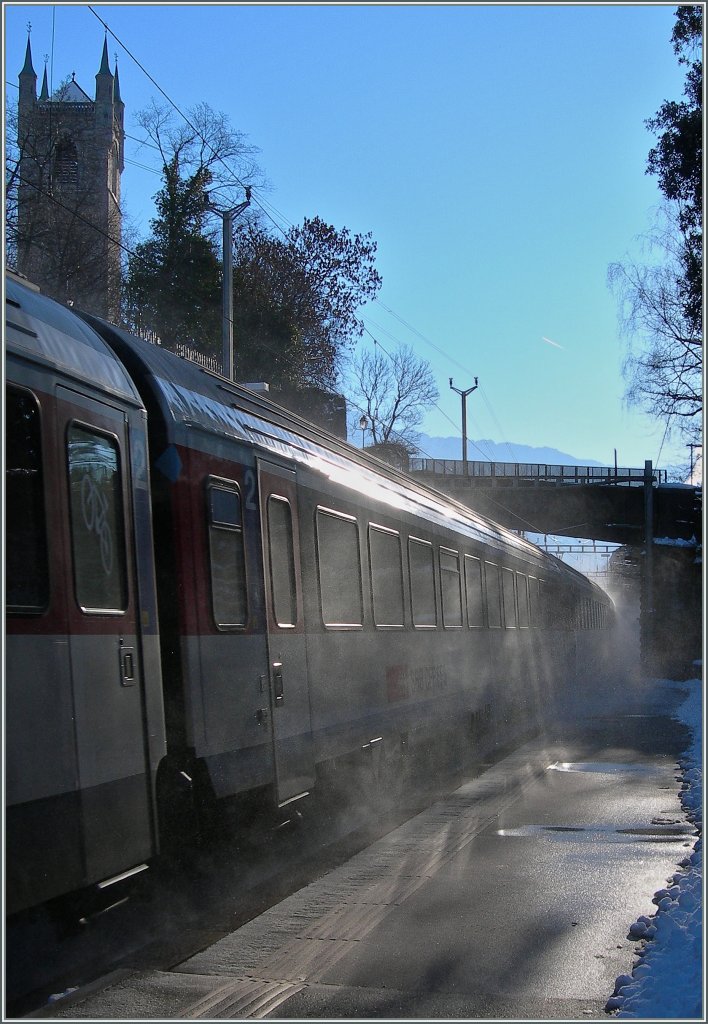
(209, 597)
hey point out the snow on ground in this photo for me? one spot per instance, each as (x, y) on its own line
(667, 981)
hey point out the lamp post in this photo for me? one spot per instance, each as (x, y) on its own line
(692, 445)
(363, 424)
(464, 395)
(227, 290)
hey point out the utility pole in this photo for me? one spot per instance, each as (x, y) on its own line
(646, 612)
(227, 288)
(464, 395)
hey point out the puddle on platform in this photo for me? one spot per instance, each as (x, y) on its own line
(604, 767)
(601, 833)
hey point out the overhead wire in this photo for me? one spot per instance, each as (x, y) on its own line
(265, 206)
(262, 204)
(531, 527)
(136, 255)
(441, 411)
(75, 213)
(454, 362)
(143, 167)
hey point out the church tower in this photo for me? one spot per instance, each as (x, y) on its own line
(71, 161)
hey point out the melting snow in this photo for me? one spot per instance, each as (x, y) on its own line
(667, 980)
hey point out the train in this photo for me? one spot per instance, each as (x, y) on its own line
(209, 599)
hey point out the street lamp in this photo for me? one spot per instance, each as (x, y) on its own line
(464, 395)
(363, 424)
(692, 445)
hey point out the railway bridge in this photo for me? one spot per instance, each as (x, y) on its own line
(616, 505)
(657, 521)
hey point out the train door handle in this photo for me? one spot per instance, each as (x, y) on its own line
(127, 665)
(278, 682)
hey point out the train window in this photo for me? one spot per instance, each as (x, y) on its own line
(340, 569)
(494, 615)
(228, 568)
(510, 620)
(474, 592)
(522, 594)
(26, 566)
(386, 576)
(450, 584)
(97, 533)
(533, 602)
(543, 612)
(422, 574)
(282, 562)
(545, 596)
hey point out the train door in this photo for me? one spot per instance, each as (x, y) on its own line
(287, 657)
(104, 642)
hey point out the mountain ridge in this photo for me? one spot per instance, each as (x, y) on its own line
(486, 450)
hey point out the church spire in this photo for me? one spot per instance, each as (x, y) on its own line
(104, 90)
(44, 94)
(104, 68)
(116, 86)
(28, 69)
(28, 80)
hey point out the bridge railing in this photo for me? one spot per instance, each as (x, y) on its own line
(533, 471)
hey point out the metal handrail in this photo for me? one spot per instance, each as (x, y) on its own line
(534, 471)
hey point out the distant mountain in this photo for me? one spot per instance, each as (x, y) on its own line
(495, 451)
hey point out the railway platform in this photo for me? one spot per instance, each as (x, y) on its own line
(510, 898)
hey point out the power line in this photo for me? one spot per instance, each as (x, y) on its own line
(441, 411)
(143, 167)
(453, 362)
(181, 113)
(264, 204)
(75, 213)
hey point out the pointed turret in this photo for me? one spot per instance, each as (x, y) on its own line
(104, 91)
(116, 86)
(28, 69)
(28, 82)
(119, 112)
(104, 68)
(44, 94)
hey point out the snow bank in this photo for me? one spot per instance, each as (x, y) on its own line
(676, 542)
(667, 982)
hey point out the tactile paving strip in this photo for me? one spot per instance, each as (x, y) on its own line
(345, 906)
(246, 998)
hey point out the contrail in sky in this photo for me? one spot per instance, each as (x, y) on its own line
(554, 343)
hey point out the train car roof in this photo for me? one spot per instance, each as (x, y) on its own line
(46, 332)
(195, 398)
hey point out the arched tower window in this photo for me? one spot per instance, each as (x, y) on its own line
(66, 164)
(113, 172)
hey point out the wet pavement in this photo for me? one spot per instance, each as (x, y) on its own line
(510, 898)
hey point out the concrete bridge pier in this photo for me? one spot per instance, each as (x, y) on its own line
(670, 611)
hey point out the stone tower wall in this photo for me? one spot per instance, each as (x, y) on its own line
(69, 217)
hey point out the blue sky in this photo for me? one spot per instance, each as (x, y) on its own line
(496, 152)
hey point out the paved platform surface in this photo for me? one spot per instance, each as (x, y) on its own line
(511, 898)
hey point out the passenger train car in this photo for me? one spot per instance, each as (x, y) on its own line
(209, 597)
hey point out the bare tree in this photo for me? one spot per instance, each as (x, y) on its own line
(393, 392)
(664, 364)
(661, 298)
(205, 147)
